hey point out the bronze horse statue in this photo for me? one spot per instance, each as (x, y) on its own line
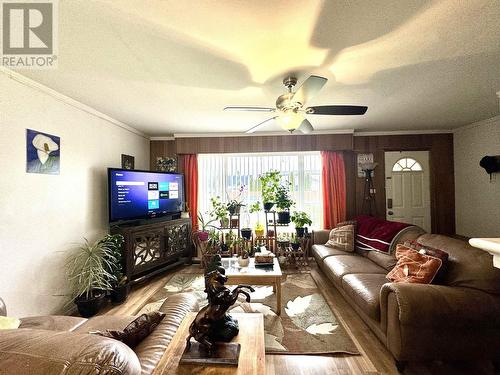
(212, 324)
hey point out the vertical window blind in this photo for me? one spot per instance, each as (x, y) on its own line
(223, 174)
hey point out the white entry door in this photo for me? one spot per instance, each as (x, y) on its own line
(408, 188)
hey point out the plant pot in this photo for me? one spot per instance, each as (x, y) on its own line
(300, 232)
(224, 223)
(243, 262)
(259, 232)
(268, 206)
(270, 233)
(224, 248)
(234, 210)
(120, 293)
(91, 306)
(202, 235)
(246, 233)
(295, 246)
(234, 223)
(284, 217)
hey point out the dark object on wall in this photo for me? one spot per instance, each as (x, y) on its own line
(166, 164)
(491, 164)
(128, 162)
(369, 205)
(155, 247)
(212, 324)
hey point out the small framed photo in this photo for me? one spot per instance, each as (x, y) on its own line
(128, 162)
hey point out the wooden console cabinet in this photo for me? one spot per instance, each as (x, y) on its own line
(155, 247)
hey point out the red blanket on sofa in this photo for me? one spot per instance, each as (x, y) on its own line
(376, 234)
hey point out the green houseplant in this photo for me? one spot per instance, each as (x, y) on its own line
(120, 284)
(219, 211)
(89, 276)
(269, 183)
(259, 228)
(300, 219)
(283, 203)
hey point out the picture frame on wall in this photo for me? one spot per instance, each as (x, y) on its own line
(128, 162)
(43, 152)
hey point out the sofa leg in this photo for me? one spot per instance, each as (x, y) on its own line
(401, 365)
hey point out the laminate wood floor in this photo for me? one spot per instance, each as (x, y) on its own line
(374, 358)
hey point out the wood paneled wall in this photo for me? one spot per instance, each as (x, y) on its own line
(440, 147)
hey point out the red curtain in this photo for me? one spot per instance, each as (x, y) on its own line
(190, 168)
(334, 188)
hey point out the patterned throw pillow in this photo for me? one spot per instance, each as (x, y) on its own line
(342, 237)
(413, 267)
(137, 330)
(437, 253)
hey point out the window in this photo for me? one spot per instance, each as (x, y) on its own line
(407, 165)
(223, 174)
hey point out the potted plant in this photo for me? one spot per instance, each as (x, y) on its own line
(269, 183)
(259, 228)
(300, 219)
(246, 233)
(270, 233)
(244, 259)
(234, 204)
(115, 265)
(295, 242)
(283, 203)
(219, 211)
(89, 277)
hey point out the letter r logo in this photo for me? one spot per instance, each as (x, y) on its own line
(27, 28)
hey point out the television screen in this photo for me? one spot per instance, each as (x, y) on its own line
(142, 195)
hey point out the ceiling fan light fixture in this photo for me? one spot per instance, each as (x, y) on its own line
(290, 120)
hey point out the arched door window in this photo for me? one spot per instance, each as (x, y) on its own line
(407, 165)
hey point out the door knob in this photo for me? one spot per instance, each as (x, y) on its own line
(390, 213)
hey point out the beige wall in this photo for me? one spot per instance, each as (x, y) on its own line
(477, 199)
(43, 216)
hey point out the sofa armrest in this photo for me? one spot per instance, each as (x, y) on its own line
(320, 236)
(439, 305)
(24, 351)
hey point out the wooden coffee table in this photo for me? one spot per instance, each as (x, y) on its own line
(252, 275)
(252, 353)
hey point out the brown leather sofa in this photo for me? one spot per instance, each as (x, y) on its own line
(456, 320)
(62, 345)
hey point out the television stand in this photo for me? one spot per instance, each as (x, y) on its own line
(153, 247)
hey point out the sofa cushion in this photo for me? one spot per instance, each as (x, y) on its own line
(467, 266)
(320, 252)
(342, 237)
(53, 322)
(364, 290)
(340, 265)
(383, 260)
(414, 267)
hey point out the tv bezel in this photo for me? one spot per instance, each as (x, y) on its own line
(146, 217)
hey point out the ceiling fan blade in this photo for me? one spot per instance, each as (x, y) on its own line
(309, 89)
(250, 109)
(339, 110)
(260, 125)
(305, 127)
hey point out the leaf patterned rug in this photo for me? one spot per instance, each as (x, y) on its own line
(307, 325)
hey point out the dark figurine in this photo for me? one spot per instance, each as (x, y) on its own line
(212, 324)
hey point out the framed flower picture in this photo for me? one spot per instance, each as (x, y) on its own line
(43, 152)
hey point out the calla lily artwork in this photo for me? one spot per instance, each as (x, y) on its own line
(42, 152)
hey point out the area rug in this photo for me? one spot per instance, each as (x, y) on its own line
(307, 325)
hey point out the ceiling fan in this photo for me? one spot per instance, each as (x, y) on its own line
(290, 110)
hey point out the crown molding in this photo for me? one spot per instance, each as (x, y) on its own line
(68, 100)
(403, 132)
(171, 138)
(260, 134)
(478, 123)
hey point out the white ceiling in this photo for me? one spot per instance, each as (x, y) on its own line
(168, 67)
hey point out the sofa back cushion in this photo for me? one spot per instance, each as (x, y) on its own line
(467, 266)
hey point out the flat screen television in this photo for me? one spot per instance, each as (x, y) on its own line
(136, 195)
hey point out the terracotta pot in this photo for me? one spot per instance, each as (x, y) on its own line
(270, 233)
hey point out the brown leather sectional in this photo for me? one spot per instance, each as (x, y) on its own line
(61, 344)
(457, 320)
